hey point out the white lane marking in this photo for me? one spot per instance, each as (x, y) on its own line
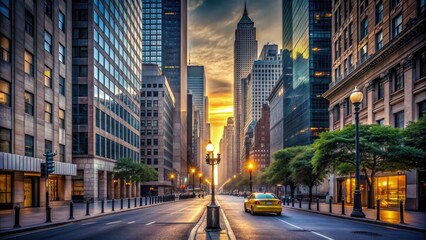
(89, 223)
(131, 222)
(113, 222)
(318, 234)
(150, 223)
(290, 224)
(180, 210)
(321, 235)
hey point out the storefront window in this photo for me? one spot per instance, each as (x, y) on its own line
(390, 190)
(5, 190)
(53, 189)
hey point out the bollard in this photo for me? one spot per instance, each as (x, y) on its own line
(135, 202)
(128, 203)
(17, 213)
(48, 214)
(317, 204)
(401, 212)
(309, 204)
(112, 205)
(87, 208)
(102, 206)
(150, 200)
(378, 210)
(140, 202)
(343, 206)
(146, 201)
(300, 202)
(292, 202)
(330, 210)
(121, 201)
(71, 210)
(288, 201)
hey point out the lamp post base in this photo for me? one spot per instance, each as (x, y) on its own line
(357, 211)
(213, 218)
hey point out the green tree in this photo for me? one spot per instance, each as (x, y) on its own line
(381, 149)
(302, 169)
(280, 171)
(127, 170)
(415, 137)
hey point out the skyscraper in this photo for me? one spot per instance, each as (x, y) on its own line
(165, 44)
(35, 101)
(227, 165)
(197, 84)
(245, 52)
(306, 69)
(106, 78)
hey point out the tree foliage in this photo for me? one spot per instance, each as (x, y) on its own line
(128, 170)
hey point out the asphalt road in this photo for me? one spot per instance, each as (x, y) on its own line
(169, 221)
(294, 224)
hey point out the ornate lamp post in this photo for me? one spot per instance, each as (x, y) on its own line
(250, 167)
(193, 180)
(213, 221)
(172, 176)
(356, 98)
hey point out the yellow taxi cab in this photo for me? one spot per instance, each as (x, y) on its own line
(263, 202)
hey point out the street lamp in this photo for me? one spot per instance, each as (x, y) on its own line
(356, 98)
(200, 175)
(172, 176)
(213, 223)
(250, 167)
(193, 180)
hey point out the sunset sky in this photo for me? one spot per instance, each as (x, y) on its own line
(211, 30)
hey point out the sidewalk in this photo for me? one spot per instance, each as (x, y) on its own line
(33, 218)
(202, 234)
(413, 220)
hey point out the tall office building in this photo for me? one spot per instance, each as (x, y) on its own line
(307, 37)
(276, 124)
(228, 165)
(197, 84)
(245, 52)
(259, 152)
(157, 107)
(380, 48)
(35, 101)
(165, 44)
(106, 83)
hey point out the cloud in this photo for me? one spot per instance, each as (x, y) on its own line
(194, 4)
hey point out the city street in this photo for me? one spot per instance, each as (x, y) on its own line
(171, 221)
(294, 224)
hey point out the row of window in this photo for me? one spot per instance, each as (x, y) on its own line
(110, 149)
(149, 142)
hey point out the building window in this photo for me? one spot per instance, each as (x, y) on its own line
(379, 12)
(381, 122)
(47, 112)
(397, 25)
(5, 140)
(48, 6)
(61, 118)
(48, 146)
(61, 21)
(422, 109)
(336, 113)
(61, 53)
(29, 146)
(47, 41)
(79, 71)
(348, 106)
(380, 89)
(80, 33)
(4, 49)
(29, 64)
(29, 103)
(336, 50)
(29, 23)
(4, 8)
(399, 119)
(79, 143)
(422, 64)
(395, 3)
(5, 99)
(398, 78)
(379, 41)
(351, 34)
(422, 6)
(364, 28)
(47, 77)
(62, 85)
(61, 153)
(364, 52)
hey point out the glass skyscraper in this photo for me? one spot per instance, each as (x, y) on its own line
(106, 83)
(306, 69)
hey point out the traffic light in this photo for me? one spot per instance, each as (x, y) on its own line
(43, 170)
(50, 163)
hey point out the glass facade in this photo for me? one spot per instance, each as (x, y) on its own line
(306, 70)
(152, 33)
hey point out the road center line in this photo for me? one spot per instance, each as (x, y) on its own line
(131, 222)
(113, 222)
(180, 210)
(318, 234)
(150, 223)
(89, 223)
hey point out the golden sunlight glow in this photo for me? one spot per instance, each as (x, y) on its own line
(193, 170)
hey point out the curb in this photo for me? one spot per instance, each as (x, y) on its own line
(49, 225)
(194, 230)
(229, 231)
(364, 220)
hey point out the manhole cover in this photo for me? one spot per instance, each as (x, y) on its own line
(367, 233)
